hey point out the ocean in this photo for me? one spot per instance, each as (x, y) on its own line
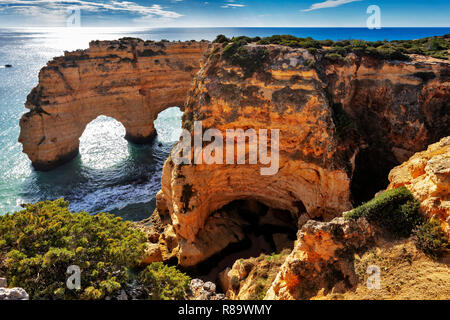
(110, 174)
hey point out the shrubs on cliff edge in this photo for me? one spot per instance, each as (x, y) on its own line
(38, 243)
(436, 47)
(162, 282)
(391, 50)
(249, 60)
(397, 211)
(431, 239)
(394, 210)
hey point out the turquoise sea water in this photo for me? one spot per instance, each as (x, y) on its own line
(109, 174)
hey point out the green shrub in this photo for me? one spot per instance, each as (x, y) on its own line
(249, 60)
(389, 50)
(334, 57)
(312, 50)
(39, 243)
(162, 282)
(431, 239)
(221, 39)
(395, 210)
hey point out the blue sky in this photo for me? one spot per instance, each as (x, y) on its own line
(224, 13)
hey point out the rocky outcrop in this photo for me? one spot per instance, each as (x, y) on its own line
(398, 108)
(322, 259)
(130, 80)
(249, 279)
(200, 290)
(343, 125)
(11, 293)
(427, 175)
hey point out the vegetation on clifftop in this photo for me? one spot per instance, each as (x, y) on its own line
(397, 211)
(437, 47)
(39, 243)
(162, 282)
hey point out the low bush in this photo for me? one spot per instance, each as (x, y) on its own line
(249, 60)
(394, 210)
(389, 50)
(221, 39)
(162, 282)
(334, 57)
(431, 239)
(39, 243)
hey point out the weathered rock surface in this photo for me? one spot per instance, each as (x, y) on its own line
(200, 290)
(427, 175)
(249, 279)
(129, 80)
(343, 126)
(322, 259)
(13, 294)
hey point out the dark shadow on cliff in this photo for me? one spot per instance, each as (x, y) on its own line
(266, 230)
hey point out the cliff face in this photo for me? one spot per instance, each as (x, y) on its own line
(321, 259)
(129, 80)
(398, 109)
(427, 176)
(343, 125)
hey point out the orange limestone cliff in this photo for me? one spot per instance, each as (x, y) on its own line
(427, 175)
(343, 125)
(130, 80)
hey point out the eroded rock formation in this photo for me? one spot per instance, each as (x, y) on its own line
(130, 80)
(427, 175)
(343, 126)
(321, 259)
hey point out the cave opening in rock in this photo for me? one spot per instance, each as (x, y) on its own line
(102, 143)
(168, 125)
(256, 229)
(372, 167)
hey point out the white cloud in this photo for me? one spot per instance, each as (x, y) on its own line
(233, 5)
(328, 4)
(41, 7)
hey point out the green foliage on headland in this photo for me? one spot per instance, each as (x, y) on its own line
(431, 239)
(249, 59)
(38, 243)
(397, 211)
(162, 282)
(437, 47)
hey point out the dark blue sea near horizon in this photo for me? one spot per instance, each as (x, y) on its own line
(110, 174)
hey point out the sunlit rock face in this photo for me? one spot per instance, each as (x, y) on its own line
(343, 126)
(398, 108)
(129, 80)
(321, 259)
(427, 175)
